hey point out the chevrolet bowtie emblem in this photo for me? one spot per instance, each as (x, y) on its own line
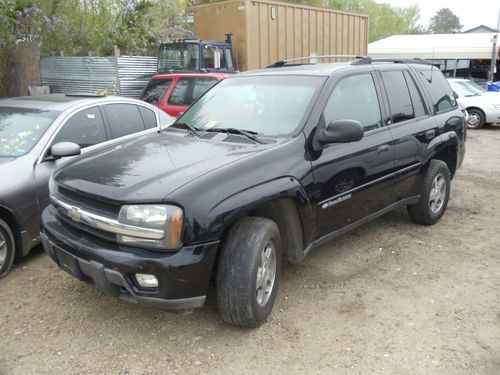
(74, 214)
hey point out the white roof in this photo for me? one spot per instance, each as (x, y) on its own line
(434, 46)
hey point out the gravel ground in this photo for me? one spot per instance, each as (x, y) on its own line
(389, 298)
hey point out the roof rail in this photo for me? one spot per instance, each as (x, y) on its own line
(369, 60)
(281, 63)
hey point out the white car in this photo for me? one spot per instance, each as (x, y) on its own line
(482, 106)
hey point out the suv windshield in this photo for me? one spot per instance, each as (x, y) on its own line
(21, 128)
(270, 105)
(467, 88)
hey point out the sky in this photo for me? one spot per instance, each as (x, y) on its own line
(471, 13)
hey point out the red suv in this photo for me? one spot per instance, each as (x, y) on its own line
(173, 93)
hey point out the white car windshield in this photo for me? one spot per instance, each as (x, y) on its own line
(21, 128)
(467, 88)
(269, 105)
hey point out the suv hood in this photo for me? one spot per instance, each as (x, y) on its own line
(148, 168)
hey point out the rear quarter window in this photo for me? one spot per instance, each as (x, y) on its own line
(438, 88)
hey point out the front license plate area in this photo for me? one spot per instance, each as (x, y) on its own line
(68, 263)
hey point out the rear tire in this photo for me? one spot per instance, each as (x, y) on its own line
(7, 248)
(249, 272)
(434, 195)
(476, 119)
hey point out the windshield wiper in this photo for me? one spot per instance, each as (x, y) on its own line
(247, 133)
(183, 125)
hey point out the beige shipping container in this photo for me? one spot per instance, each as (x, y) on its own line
(267, 31)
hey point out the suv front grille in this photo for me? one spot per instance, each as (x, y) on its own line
(85, 229)
(85, 202)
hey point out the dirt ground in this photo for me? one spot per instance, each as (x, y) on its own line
(389, 298)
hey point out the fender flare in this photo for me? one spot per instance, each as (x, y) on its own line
(226, 212)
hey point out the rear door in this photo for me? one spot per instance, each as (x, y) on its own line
(123, 119)
(412, 125)
(354, 180)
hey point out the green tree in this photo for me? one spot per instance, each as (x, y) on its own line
(445, 22)
(384, 20)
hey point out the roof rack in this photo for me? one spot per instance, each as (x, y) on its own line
(281, 63)
(369, 60)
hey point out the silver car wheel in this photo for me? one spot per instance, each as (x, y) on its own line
(474, 120)
(266, 273)
(3, 250)
(437, 194)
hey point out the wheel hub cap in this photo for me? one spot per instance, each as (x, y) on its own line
(473, 120)
(266, 273)
(438, 193)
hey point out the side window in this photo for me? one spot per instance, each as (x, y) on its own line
(85, 128)
(213, 58)
(124, 119)
(438, 88)
(229, 58)
(178, 96)
(148, 116)
(355, 98)
(201, 85)
(399, 97)
(155, 90)
(416, 98)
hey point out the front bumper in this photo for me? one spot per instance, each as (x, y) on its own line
(183, 275)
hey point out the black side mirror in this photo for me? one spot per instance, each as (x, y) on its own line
(62, 149)
(341, 131)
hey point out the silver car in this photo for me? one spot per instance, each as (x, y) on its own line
(482, 106)
(36, 132)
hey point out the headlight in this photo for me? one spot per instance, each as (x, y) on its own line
(166, 218)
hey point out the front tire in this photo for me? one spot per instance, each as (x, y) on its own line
(249, 272)
(476, 119)
(434, 195)
(7, 248)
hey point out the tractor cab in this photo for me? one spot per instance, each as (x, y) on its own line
(191, 55)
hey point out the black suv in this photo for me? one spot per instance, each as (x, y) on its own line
(266, 165)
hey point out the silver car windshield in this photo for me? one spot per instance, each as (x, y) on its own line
(22, 128)
(269, 105)
(467, 88)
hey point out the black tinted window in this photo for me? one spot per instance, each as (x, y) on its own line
(155, 90)
(355, 98)
(399, 97)
(178, 96)
(439, 90)
(201, 85)
(124, 119)
(416, 98)
(148, 116)
(84, 128)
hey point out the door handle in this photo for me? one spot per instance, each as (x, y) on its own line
(430, 134)
(383, 148)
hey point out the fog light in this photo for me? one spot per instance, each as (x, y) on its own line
(146, 281)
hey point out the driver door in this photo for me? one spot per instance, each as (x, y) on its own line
(85, 128)
(354, 180)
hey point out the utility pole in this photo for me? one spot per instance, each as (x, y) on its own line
(494, 51)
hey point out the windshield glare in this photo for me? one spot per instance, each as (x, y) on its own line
(467, 88)
(21, 128)
(269, 105)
